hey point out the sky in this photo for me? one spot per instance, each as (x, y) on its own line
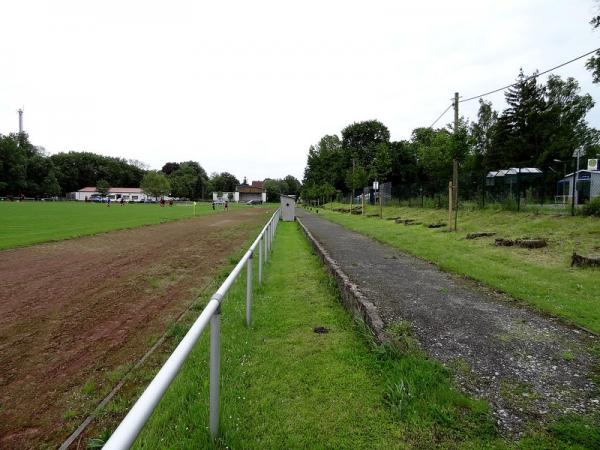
(247, 86)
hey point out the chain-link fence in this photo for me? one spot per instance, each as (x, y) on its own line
(512, 189)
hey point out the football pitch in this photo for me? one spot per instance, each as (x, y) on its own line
(26, 223)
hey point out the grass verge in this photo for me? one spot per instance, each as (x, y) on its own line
(540, 277)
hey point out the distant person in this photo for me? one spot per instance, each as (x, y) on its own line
(108, 202)
(171, 202)
(162, 202)
(226, 205)
(122, 201)
(213, 204)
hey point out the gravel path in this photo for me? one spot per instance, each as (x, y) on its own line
(530, 367)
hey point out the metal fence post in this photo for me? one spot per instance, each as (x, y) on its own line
(249, 290)
(260, 261)
(268, 237)
(215, 368)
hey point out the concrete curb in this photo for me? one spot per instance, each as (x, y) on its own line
(352, 297)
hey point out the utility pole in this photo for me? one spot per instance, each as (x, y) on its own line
(455, 166)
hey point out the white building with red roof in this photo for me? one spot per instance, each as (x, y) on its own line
(114, 193)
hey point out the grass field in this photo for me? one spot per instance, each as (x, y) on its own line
(541, 277)
(285, 386)
(26, 223)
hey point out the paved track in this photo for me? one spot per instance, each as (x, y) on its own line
(529, 366)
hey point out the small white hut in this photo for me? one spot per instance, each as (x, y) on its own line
(587, 187)
(288, 208)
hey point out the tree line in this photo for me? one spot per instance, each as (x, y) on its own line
(541, 127)
(26, 169)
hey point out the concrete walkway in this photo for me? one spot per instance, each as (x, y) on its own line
(530, 367)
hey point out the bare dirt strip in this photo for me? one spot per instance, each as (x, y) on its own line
(72, 309)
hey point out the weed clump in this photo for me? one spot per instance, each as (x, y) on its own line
(592, 208)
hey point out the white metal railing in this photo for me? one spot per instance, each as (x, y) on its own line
(134, 421)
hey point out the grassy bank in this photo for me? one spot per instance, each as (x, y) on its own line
(541, 277)
(26, 223)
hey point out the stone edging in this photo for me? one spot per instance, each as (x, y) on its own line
(352, 297)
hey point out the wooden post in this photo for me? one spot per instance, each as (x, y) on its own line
(450, 201)
(363, 202)
(380, 204)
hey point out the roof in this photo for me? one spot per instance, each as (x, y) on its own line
(582, 171)
(114, 190)
(249, 190)
(258, 184)
(513, 171)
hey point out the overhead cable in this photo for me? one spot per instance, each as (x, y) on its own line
(528, 78)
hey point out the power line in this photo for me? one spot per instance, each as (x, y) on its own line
(514, 84)
(441, 115)
(528, 78)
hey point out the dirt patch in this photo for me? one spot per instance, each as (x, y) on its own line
(73, 309)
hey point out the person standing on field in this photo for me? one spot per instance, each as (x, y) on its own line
(226, 205)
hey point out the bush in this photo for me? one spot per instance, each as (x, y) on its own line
(592, 208)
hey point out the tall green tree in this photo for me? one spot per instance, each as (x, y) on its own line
(593, 63)
(381, 165)
(188, 180)
(565, 120)
(75, 170)
(169, 168)
(405, 167)
(360, 140)
(223, 182)
(327, 162)
(13, 166)
(356, 178)
(482, 130)
(102, 186)
(155, 184)
(525, 119)
(292, 184)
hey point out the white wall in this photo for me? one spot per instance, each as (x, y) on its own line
(225, 196)
(288, 209)
(80, 196)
